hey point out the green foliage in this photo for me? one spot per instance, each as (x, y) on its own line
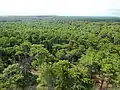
(11, 77)
(60, 54)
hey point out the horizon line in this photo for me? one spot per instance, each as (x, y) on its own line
(60, 15)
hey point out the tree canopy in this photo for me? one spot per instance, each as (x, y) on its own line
(59, 54)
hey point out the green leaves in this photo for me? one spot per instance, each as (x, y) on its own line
(11, 76)
(63, 54)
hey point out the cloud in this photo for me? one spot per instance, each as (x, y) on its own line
(115, 12)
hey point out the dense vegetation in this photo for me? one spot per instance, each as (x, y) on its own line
(59, 54)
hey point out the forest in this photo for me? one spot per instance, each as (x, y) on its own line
(59, 54)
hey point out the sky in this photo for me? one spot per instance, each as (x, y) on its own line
(60, 7)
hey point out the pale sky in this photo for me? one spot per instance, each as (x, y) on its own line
(60, 7)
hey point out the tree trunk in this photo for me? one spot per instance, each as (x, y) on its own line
(101, 84)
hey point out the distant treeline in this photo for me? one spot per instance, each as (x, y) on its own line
(53, 17)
